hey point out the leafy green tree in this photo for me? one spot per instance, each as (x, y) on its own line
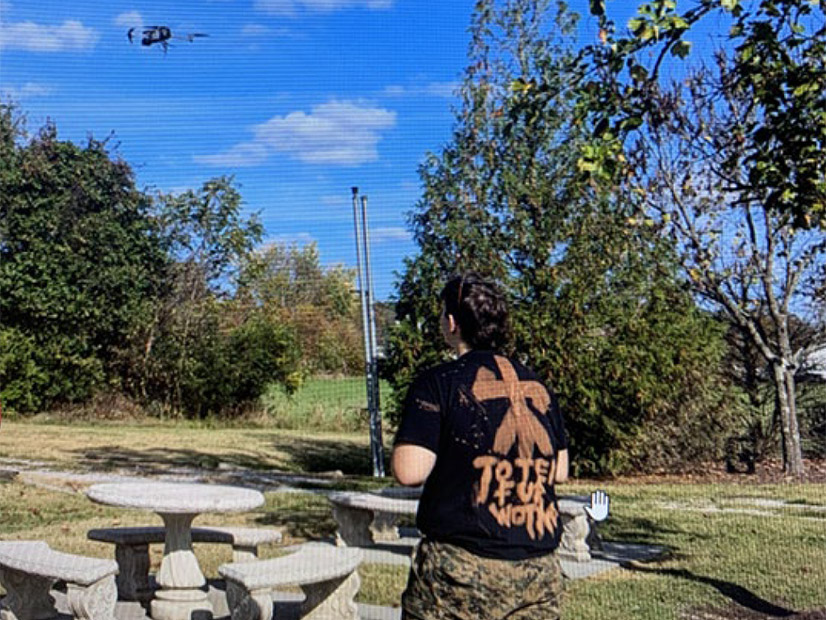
(183, 347)
(597, 309)
(290, 284)
(778, 61)
(79, 262)
(727, 163)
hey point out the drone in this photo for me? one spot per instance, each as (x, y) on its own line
(162, 35)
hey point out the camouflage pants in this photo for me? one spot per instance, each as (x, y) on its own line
(449, 583)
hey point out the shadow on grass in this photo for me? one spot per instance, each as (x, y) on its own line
(301, 515)
(160, 460)
(641, 530)
(325, 455)
(740, 595)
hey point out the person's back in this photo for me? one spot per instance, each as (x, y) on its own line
(487, 439)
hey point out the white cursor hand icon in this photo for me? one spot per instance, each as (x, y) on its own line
(598, 510)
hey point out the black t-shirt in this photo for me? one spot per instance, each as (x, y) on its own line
(496, 430)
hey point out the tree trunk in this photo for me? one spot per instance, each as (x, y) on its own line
(784, 383)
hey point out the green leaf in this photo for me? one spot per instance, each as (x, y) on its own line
(681, 49)
(637, 25)
(586, 165)
(730, 5)
(631, 123)
(639, 73)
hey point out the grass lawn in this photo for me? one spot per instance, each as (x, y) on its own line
(332, 404)
(762, 547)
(157, 446)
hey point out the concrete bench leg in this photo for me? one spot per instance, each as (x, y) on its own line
(27, 596)
(359, 527)
(331, 600)
(133, 572)
(353, 526)
(242, 553)
(245, 605)
(574, 545)
(384, 527)
(94, 602)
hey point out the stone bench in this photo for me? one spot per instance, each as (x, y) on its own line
(132, 551)
(327, 575)
(29, 569)
(364, 519)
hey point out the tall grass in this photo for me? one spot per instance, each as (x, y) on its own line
(323, 404)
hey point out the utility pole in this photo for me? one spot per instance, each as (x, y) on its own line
(368, 317)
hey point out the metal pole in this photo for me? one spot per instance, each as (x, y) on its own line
(378, 465)
(375, 413)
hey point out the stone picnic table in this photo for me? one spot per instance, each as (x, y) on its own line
(181, 580)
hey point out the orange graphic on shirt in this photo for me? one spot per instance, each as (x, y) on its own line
(519, 424)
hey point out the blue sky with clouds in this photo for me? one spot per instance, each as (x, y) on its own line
(298, 99)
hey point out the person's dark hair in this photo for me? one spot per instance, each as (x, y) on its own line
(479, 308)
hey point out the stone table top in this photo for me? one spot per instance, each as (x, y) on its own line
(372, 501)
(176, 497)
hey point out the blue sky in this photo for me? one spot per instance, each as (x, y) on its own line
(298, 99)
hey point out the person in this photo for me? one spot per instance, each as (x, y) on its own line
(486, 438)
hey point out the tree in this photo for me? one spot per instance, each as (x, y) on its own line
(206, 239)
(737, 251)
(79, 262)
(289, 283)
(597, 309)
(779, 60)
(728, 164)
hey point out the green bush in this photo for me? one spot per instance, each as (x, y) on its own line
(219, 371)
(23, 380)
(78, 263)
(260, 352)
(36, 373)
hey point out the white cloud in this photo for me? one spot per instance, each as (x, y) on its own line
(26, 91)
(32, 37)
(335, 133)
(243, 154)
(389, 234)
(129, 19)
(446, 90)
(292, 7)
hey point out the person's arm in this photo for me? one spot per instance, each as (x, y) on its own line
(417, 439)
(411, 464)
(561, 474)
